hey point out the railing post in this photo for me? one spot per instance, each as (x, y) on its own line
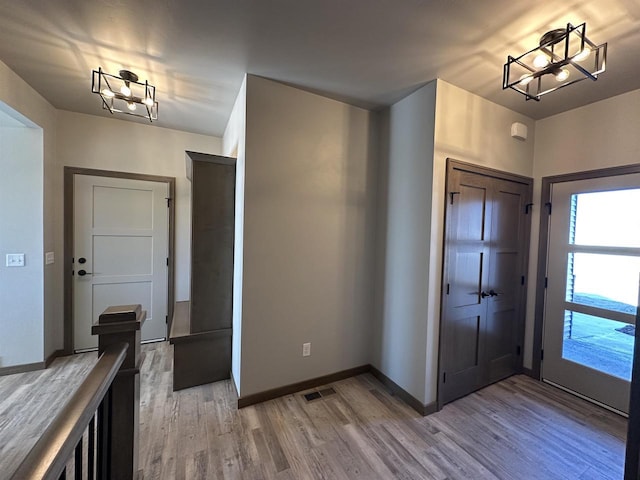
(116, 325)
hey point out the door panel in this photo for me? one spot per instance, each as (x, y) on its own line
(126, 208)
(508, 207)
(469, 213)
(121, 243)
(505, 307)
(466, 279)
(483, 297)
(465, 354)
(108, 261)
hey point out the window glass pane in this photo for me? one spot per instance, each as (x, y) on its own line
(603, 281)
(599, 343)
(606, 218)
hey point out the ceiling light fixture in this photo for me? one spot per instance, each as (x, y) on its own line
(564, 56)
(123, 93)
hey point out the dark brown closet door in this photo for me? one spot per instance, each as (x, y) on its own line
(483, 281)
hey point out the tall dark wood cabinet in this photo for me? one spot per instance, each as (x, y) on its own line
(201, 329)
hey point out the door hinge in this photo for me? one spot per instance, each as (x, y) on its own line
(444, 377)
(448, 288)
(166, 319)
(518, 350)
(527, 208)
(546, 282)
(522, 280)
(451, 194)
(548, 205)
(168, 199)
(167, 261)
(542, 354)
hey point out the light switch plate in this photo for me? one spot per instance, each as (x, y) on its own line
(49, 258)
(15, 259)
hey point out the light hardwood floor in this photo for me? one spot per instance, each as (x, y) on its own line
(516, 429)
(30, 401)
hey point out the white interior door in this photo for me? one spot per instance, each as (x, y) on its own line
(592, 287)
(120, 252)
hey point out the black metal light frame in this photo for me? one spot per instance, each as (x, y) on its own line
(555, 45)
(100, 83)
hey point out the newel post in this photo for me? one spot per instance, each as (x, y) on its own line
(116, 325)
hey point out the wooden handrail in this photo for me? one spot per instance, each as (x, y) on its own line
(49, 456)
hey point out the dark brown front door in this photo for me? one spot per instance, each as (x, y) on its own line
(487, 225)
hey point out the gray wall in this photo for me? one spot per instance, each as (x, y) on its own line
(399, 340)
(34, 110)
(309, 228)
(21, 288)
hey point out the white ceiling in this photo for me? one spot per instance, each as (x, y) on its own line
(367, 52)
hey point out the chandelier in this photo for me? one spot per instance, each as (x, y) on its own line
(123, 93)
(564, 56)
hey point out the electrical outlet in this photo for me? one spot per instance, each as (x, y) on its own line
(49, 258)
(306, 349)
(15, 260)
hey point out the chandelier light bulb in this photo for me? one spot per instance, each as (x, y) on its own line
(122, 96)
(583, 55)
(562, 75)
(526, 79)
(564, 54)
(541, 61)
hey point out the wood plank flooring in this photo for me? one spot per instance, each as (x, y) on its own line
(30, 401)
(516, 429)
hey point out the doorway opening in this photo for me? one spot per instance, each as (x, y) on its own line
(118, 249)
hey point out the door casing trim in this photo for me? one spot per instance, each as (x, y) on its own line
(453, 164)
(69, 172)
(543, 238)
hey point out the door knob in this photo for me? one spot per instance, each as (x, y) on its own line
(493, 293)
(82, 260)
(82, 273)
(485, 294)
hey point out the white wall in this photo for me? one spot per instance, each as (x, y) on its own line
(471, 129)
(406, 166)
(33, 109)
(21, 288)
(89, 141)
(600, 135)
(309, 227)
(233, 144)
